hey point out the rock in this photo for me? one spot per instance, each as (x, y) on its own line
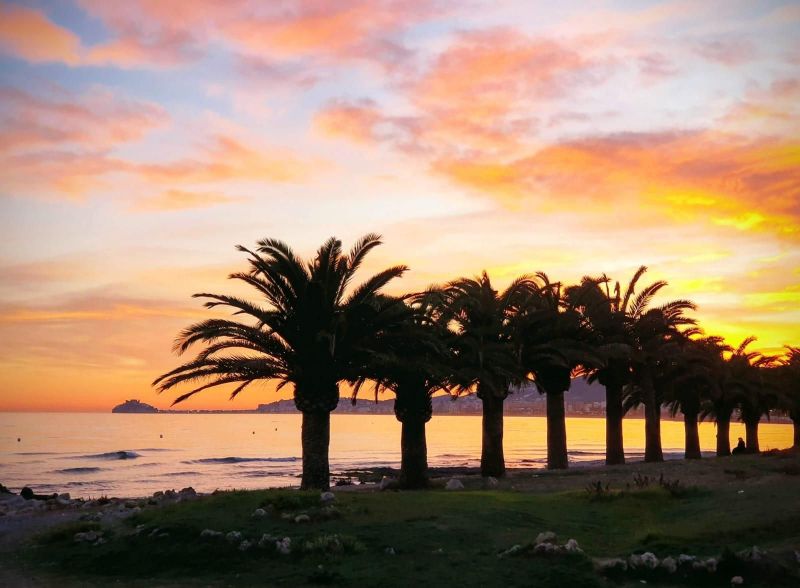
(302, 518)
(615, 564)
(188, 492)
(245, 545)
(210, 534)
(170, 494)
(158, 494)
(163, 535)
(545, 537)
(685, 559)
(572, 546)
(439, 551)
(669, 564)
(752, 554)
(454, 484)
(266, 540)
(646, 560)
(327, 497)
(709, 565)
(234, 537)
(259, 513)
(389, 551)
(88, 537)
(490, 482)
(513, 550)
(64, 496)
(737, 581)
(388, 483)
(284, 546)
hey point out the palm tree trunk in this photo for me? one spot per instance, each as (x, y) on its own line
(723, 434)
(493, 462)
(556, 432)
(652, 420)
(751, 435)
(795, 416)
(615, 451)
(316, 437)
(692, 446)
(414, 453)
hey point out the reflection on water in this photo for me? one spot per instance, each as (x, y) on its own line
(137, 454)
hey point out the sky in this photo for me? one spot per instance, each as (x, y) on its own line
(140, 141)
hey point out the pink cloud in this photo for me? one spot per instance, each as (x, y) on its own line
(730, 52)
(30, 35)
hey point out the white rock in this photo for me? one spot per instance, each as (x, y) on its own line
(327, 497)
(572, 546)
(546, 548)
(234, 537)
(302, 518)
(491, 482)
(669, 564)
(616, 563)
(737, 581)
(685, 559)
(259, 513)
(454, 484)
(387, 483)
(265, 540)
(284, 546)
(389, 551)
(545, 537)
(510, 551)
(209, 534)
(245, 545)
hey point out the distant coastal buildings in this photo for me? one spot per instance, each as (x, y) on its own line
(134, 406)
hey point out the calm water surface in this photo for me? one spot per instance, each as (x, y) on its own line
(137, 454)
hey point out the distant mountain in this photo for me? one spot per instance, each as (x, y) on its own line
(134, 406)
(582, 398)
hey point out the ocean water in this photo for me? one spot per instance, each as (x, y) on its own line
(128, 455)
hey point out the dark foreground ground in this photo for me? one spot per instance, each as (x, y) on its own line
(714, 510)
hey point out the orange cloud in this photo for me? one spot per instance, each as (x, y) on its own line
(181, 200)
(27, 33)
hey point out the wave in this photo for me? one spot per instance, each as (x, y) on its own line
(171, 474)
(110, 455)
(242, 459)
(78, 470)
(156, 449)
(579, 452)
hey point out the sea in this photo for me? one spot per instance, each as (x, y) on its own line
(131, 455)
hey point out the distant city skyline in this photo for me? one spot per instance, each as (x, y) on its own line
(140, 141)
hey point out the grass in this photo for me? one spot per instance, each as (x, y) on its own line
(438, 537)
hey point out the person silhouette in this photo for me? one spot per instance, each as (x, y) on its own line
(740, 447)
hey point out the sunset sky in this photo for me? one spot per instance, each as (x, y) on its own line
(140, 141)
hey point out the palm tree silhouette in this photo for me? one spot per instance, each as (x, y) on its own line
(313, 332)
(756, 397)
(653, 334)
(555, 341)
(485, 350)
(412, 360)
(789, 388)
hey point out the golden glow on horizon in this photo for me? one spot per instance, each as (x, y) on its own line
(142, 140)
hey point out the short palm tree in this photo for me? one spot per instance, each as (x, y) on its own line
(652, 335)
(485, 351)
(312, 331)
(555, 342)
(789, 389)
(412, 360)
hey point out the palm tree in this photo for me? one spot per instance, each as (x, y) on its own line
(554, 343)
(486, 353)
(653, 333)
(609, 321)
(757, 396)
(722, 394)
(412, 360)
(789, 386)
(312, 332)
(691, 376)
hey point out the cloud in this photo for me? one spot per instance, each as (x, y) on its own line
(729, 52)
(28, 34)
(181, 200)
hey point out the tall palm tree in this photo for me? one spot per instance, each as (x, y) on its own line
(757, 397)
(412, 360)
(554, 343)
(789, 387)
(652, 334)
(691, 376)
(486, 352)
(723, 394)
(609, 319)
(312, 331)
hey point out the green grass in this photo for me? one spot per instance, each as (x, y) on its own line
(441, 538)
